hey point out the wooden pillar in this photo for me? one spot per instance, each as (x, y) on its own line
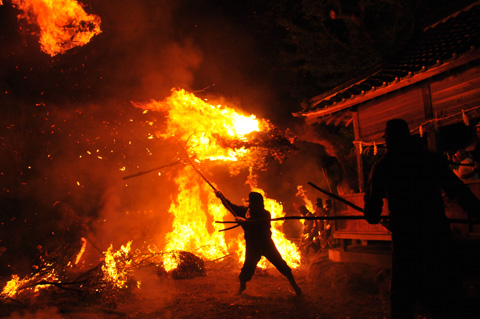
(428, 113)
(356, 131)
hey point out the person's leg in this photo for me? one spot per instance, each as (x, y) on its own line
(252, 257)
(272, 254)
(405, 277)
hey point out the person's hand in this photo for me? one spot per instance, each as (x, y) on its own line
(239, 219)
(218, 194)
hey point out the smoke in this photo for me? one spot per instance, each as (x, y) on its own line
(69, 132)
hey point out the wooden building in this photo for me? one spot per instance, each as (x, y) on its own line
(434, 84)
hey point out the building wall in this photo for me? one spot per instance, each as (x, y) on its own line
(447, 95)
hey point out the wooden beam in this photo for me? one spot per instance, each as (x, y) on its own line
(358, 155)
(428, 111)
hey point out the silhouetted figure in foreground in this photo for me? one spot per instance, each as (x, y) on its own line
(423, 267)
(258, 238)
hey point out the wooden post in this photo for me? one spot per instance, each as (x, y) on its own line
(356, 131)
(428, 113)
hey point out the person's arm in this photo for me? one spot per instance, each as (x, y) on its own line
(235, 210)
(374, 194)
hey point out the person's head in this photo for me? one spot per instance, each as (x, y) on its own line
(319, 202)
(255, 200)
(328, 205)
(397, 133)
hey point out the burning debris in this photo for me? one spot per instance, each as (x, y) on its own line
(108, 283)
(62, 24)
(188, 265)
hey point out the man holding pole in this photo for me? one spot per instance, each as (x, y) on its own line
(255, 221)
(412, 179)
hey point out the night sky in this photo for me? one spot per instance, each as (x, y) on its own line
(146, 48)
(231, 49)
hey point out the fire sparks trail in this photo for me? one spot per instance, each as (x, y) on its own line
(63, 24)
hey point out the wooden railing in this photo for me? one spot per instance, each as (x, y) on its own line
(362, 230)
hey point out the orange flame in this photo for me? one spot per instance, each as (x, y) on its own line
(212, 132)
(63, 24)
(192, 219)
(215, 133)
(15, 286)
(82, 251)
(116, 266)
(12, 286)
(303, 195)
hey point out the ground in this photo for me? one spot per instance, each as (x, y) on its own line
(330, 290)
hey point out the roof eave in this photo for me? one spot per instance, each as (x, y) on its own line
(313, 116)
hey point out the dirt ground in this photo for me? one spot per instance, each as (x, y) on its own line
(330, 290)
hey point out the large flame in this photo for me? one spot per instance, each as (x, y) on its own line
(194, 227)
(210, 133)
(63, 24)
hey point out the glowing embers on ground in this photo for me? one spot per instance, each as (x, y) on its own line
(30, 284)
(63, 24)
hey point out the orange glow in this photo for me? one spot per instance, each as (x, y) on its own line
(301, 193)
(193, 218)
(82, 251)
(117, 265)
(15, 286)
(211, 132)
(11, 288)
(287, 249)
(63, 24)
(218, 134)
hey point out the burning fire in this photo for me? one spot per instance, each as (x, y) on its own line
(301, 193)
(209, 135)
(210, 132)
(112, 271)
(218, 134)
(63, 24)
(33, 283)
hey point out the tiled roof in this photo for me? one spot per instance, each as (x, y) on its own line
(448, 40)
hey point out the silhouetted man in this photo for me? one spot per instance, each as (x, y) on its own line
(411, 178)
(255, 221)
